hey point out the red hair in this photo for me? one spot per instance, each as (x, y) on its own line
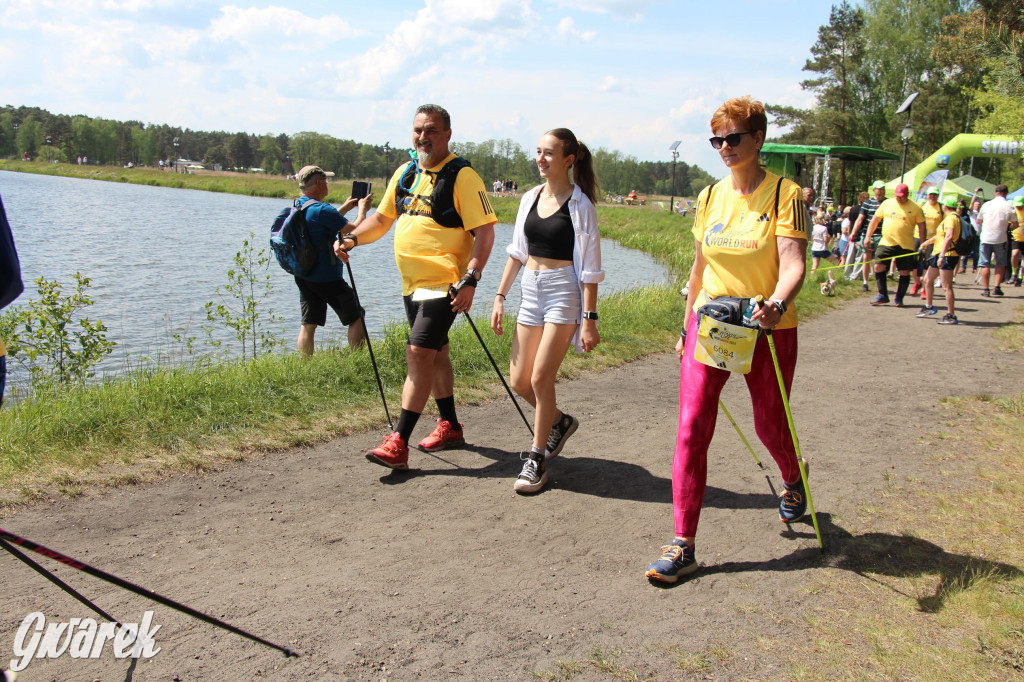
(743, 112)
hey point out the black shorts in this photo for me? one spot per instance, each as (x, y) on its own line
(950, 263)
(314, 297)
(1017, 246)
(429, 321)
(905, 258)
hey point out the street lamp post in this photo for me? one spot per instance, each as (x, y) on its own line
(905, 135)
(387, 160)
(675, 155)
(908, 130)
(175, 142)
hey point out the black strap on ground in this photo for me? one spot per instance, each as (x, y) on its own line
(369, 347)
(149, 594)
(500, 376)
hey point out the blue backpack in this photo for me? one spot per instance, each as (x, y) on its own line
(968, 241)
(291, 242)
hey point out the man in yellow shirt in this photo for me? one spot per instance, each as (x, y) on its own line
(1018, 240)
(444, 230)
(898, 218)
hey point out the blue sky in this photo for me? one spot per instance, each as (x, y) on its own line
(631, 75)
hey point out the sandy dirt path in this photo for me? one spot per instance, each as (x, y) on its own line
(445, 573)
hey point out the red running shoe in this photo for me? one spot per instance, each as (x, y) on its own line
(393, 453)
(446, 434)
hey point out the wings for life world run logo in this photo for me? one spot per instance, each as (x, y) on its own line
(715, 238)
(942, 160)
(81, 638)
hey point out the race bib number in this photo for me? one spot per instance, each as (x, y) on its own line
(725, 346)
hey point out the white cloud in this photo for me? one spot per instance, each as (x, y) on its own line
(632, 9)
(567, 29)
(443, 31)
(279, 27)
(610, 84)
(701, 107)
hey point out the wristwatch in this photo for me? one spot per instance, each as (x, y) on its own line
(474, 273)
(590, 315)
(779, 304)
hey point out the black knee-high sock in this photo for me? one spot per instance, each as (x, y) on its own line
(883, 286)
(902, 286)
(406, 423)
(446, 408)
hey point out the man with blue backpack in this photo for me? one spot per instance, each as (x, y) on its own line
(303, 241)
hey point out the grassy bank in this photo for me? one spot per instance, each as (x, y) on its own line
(933, 587)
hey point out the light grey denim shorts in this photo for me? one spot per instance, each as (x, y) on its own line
(550, 296)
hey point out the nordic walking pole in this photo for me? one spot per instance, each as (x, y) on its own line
(796, 441)
(124, 584)
(742, 437)
(369, 347)
(27, 560)
(500, 376)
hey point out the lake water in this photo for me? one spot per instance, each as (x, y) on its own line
(156, 255)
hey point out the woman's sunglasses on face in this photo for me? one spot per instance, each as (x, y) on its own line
(732, 139)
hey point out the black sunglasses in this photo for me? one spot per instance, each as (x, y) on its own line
(732, 138)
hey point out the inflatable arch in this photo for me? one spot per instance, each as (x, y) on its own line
(961, 147)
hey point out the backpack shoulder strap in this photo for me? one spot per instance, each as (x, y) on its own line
(778, 190)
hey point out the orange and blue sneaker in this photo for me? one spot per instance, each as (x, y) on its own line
(793, 505)
(393, 453)
(444, 435)
(676, 561)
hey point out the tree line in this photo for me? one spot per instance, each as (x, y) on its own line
(63, 138)
(964, 57)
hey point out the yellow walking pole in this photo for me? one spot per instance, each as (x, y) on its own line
(742, 437)
(796, 441)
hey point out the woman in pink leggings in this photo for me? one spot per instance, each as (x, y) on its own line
(751, 239)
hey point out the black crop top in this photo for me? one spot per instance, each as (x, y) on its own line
(551, 237)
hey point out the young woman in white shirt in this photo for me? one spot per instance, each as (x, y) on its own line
(557, 240)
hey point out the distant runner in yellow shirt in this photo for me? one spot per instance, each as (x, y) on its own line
(944, 262)
(898, 217)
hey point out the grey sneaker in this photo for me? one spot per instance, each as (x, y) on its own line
(927, 311)
(533, 476)
(560, 432)
(949, 319)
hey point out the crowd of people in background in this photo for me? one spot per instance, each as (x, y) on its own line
(900, 238)
(505, 188)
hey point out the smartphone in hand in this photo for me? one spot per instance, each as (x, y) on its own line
(361, 189)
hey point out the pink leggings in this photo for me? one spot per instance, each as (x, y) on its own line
(699, 389)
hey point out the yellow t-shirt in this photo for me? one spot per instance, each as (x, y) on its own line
(3, 348)
(899, 223)
(1018, 234)
(737, 237)
(932, 218)
(429, 255)
(949, 225)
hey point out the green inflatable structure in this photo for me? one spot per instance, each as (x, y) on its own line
(961, 147)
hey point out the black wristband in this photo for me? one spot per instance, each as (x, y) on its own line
(467, 281)
(349, 235)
